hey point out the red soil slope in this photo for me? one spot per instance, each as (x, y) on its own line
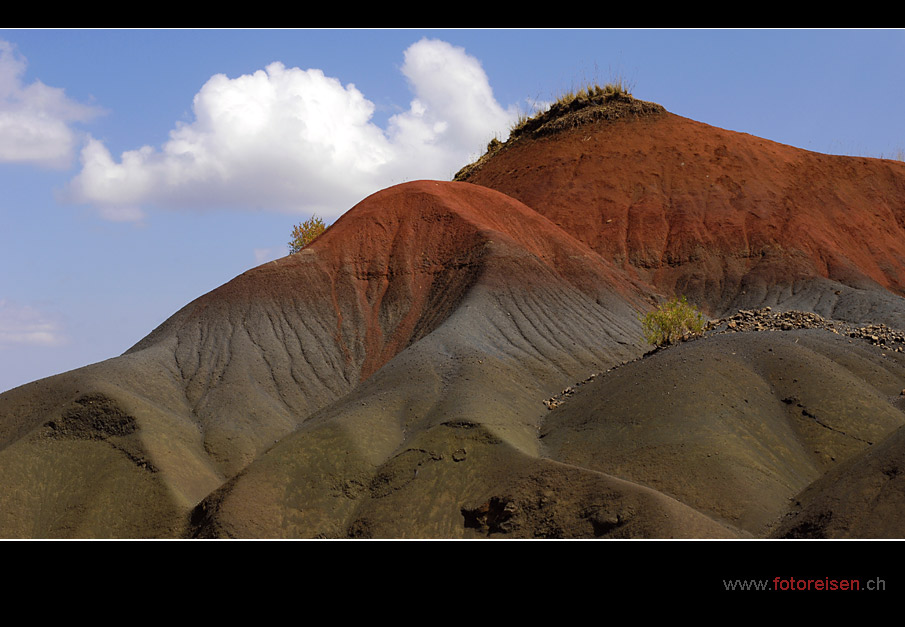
(287, 338)
(409, 249)
(711, 213)
(396, 265)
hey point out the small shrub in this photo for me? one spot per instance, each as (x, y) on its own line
(671, 321)
(304, 233)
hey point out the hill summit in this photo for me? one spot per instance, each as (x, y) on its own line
(573, 109)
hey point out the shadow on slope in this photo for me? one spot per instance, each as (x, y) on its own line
(445, 420)
(734, 426)
(243, 367)
(862, 498)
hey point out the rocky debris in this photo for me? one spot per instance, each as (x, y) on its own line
(768, 320)
(881, 335)
(555, 401)
(494, 516)
(91, 417)
(765, 319)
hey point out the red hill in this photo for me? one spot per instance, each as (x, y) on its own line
(726, 218)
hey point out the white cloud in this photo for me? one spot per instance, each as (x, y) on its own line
(21, 324)
(35, 120)
(298, 141)
(454, 106)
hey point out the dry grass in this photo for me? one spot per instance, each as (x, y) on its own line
(576, 98)
(594, 92)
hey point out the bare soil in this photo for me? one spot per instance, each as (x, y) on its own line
(465, 360)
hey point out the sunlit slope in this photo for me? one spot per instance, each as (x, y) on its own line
(728, 219)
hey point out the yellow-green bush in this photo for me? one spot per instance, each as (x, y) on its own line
(671, 321)
(304, 233)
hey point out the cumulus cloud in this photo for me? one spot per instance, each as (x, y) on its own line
(299, 141)
(36, 120)
(454, 112)
(21, 324)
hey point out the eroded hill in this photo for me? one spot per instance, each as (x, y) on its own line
(390, 380)
(728, 219)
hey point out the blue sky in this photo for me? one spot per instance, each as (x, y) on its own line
(143, 168)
